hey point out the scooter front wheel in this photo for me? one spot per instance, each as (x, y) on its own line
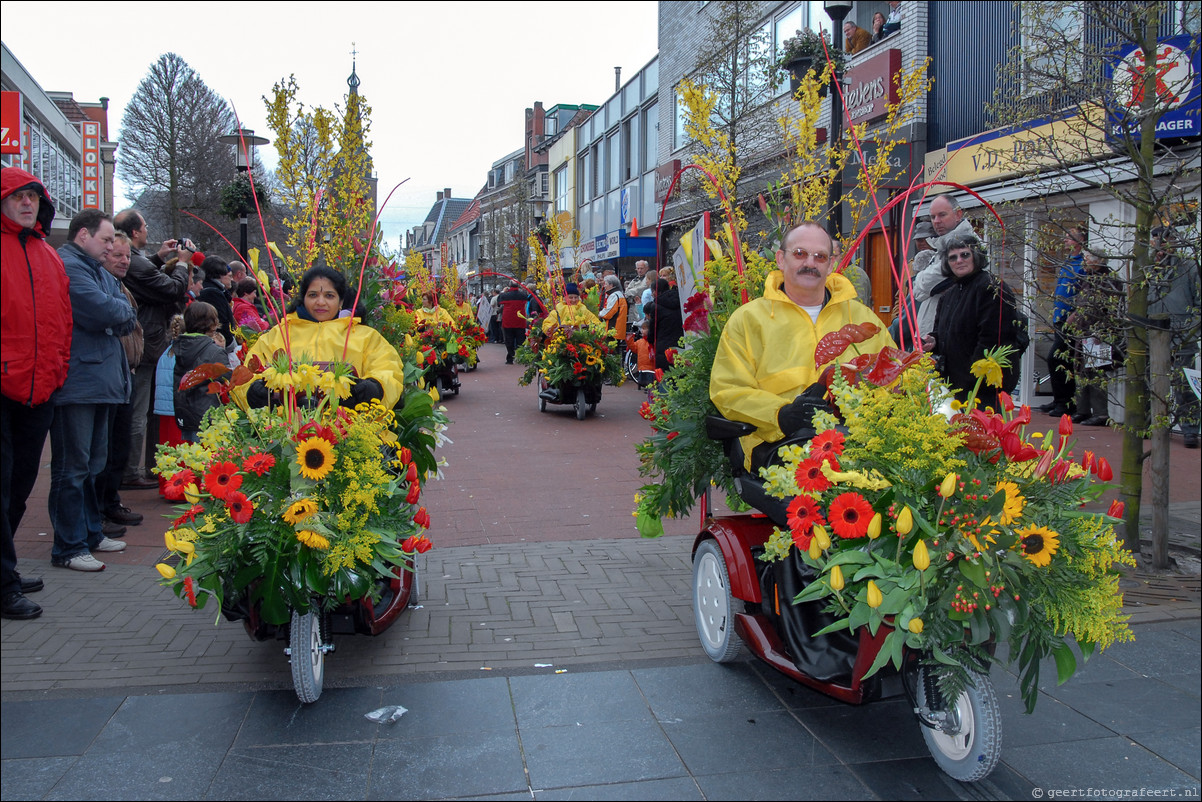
(965, 738)
(308, 656)
(713, 604)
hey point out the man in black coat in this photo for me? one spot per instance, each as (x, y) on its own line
(667, 321)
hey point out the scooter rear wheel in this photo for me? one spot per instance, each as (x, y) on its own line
(713, 604)
(969, 743)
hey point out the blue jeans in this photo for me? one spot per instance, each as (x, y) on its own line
(79, 448)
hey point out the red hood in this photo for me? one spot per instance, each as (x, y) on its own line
(14, 178)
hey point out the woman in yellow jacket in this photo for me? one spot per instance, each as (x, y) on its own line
(431, 314)
(315, 330)
(571, 312)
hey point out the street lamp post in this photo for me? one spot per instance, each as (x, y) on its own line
(243, 160)
(836, 10)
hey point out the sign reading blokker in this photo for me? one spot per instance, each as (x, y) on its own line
(872, 86)
(1175, 82)
(91, 165)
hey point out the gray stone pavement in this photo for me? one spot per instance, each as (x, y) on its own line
(551, 654)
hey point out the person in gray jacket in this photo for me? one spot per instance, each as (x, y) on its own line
(98, 378)
(947, 218)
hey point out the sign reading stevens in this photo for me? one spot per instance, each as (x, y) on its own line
(872, 86)
(1175, 83)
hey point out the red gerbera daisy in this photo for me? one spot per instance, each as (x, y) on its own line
(827, 445)
(173, 490)
(850, 515)
(188, 516)
(239, 506)
(809, 476)
(258, 464)
(803, 514)
(222, 479)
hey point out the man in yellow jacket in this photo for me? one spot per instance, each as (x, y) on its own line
(765, 359)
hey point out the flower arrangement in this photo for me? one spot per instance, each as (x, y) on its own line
(956, 531)
(441, 344)
(300, 504)
(570, 355)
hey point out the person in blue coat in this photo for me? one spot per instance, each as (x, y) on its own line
(98, 379)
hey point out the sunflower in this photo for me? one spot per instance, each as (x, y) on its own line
(809, 476)
(312, 539)
(222, 479)
(1012, 509)
(803, 514)
(300, 510)
(850, 515)
(315, 457)
(1038, 544)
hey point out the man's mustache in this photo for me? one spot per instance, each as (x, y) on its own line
(809, 271)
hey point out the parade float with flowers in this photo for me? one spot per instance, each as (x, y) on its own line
(302, 518)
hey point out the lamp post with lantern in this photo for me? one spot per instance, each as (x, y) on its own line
(244, 142)
(837, 10)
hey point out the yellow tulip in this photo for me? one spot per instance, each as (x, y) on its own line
(169, 539)
(166, 571)
(836, 580)
(874, 595)
(822, 538)
(905, 521)
(192, 493)
(922, 558)
(815, 549)
(874, 527)
(916, 625)
(949, 485)
(184, 547)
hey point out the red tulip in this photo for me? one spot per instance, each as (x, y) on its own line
(422, 518)
(1102, 468)
(1045, 463)
(415, 492)
(1087, 461)
(1006, 401)
(1066, 425)
(1116, 509)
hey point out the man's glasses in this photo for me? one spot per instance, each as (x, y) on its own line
(819, 258)
(959, 257)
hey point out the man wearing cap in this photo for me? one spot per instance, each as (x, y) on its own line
(571, 312)
(36, 325)
(947, 219)
(98, 379)
(160, 289)
(513, 322)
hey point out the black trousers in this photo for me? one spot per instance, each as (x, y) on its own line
(23, 433)
(1060, 370)
(513, 338)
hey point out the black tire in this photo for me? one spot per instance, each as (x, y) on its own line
(581, 404)
(969, 744)
(713, 604)
(308, 656)
(630, 361)
(542, 404)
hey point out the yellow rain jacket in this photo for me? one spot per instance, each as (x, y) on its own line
(367, 351)
(574, 315)
(765, 358)
(435, 317)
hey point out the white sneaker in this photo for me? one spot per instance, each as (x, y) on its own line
(82, 562)
(108, 544)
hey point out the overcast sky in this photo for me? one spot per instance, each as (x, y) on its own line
(448, 82)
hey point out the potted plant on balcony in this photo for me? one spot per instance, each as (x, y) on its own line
(808, 50)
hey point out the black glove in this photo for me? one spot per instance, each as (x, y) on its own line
(363, 391)
(257, 395)
(799, 413)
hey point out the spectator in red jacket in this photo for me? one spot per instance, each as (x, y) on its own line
(513, 321)
(36, 323)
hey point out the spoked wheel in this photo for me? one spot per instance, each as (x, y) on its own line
(308, 656)
(581, 404)
(713, 604)
(966, 737)
(630, 361)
